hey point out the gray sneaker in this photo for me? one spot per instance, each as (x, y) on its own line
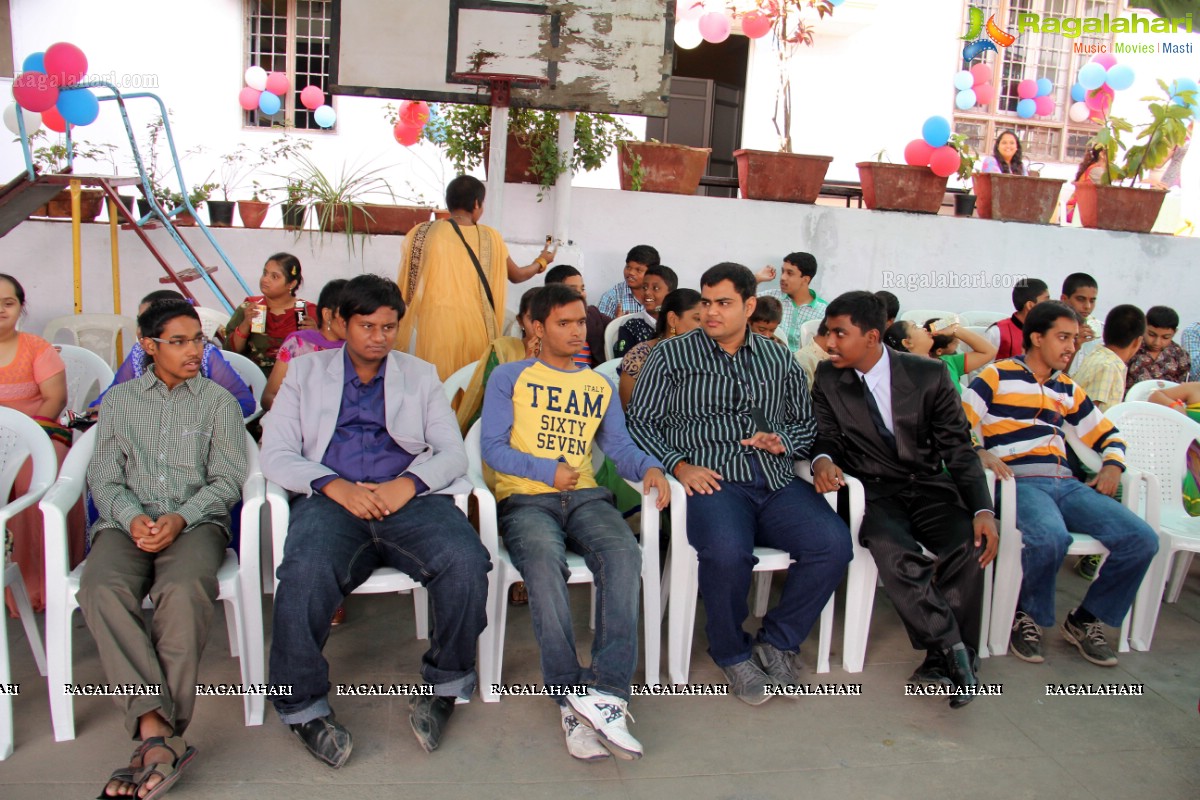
(748, 682)
(777, 664)
(1091, 641)
(1026, 640)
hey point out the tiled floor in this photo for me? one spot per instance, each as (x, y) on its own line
(879, 745)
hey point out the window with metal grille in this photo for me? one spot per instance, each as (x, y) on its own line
(1034, 55)
(290, 36)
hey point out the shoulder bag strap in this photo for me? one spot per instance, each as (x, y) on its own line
(487, 289)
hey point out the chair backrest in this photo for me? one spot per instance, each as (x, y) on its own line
(87, 375)
(96, 332)
(513, 329)
(458, 381)
(475, 456)
(211, 320)
(610, 335)
(609, 369)
(22, 438)
(923, 315)
(1156, 441)
(249, 372)
(1141, 391)
(808, 330)
(981, 319)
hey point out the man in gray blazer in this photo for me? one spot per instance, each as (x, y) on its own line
(365, 437)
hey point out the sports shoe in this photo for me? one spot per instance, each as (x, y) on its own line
(1087, 567)
(1091, 641)
(581, 740)
(1026, 640)
(777, 664)
(748, 682)
(606, 714)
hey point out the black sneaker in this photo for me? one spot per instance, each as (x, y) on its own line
(1026, 640)
(1089, 638)
(1087, 567)
(326, 738)
(777, 664)
(747, 681)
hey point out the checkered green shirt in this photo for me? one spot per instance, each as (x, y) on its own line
(160, 452)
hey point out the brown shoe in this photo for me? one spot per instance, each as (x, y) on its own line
(518, 595)
(339, 616)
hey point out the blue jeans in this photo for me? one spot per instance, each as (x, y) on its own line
(329, 552)
(538, 529)
(725, 526)
(1043, 506)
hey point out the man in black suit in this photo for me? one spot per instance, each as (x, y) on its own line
(894, 421)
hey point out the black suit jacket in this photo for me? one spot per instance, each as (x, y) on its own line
(929, 425)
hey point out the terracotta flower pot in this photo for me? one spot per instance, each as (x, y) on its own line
(667, 168)
(785, 177)
(90, 203)
(184, 219)
(901, 187)
(1118, 208)
(1016, 198)
(252, 212)
(394, 220)
(332, 219)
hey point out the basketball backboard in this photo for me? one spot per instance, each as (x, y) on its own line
(610, 56)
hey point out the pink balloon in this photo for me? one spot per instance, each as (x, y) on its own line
(311, 97)
(686, 10)
(1100, 99)
(65, 63)
(54, 120)
(982, 73)
(406, 135)
(414, 113)
(277, 83)
(944, 161)
(917, 153)
(756, 24)
(1045, 105)
(1106, 60)
(248, 98)
(715, 27)
(984, 93)
(34, 91)
(1027, 89)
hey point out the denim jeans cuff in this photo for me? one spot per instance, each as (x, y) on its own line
(623, 692)
(317, 709)
(729, 661)
(462, 687)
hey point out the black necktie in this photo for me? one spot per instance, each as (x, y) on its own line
(877, 417)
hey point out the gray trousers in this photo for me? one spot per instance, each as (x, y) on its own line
(182, 583)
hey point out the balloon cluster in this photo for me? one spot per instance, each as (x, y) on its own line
(1033, 97)
(699, 21)
(264, 91)
(932, 150)
(1186, 85)
(1096, 85)
(974, 87)
(410, 121)
(45, 91)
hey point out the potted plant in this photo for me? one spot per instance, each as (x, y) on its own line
(253, 211)
(660, 167)
(1009, 198)
(1112, 206)
(197, 197)
(240, 164)
(50, 158)
(295, 207)
(340, 200)
(783, 175)
(900, 187)
(231, 171)
(964, 200)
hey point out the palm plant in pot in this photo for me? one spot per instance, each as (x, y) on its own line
(1116, 203)
(339, 200)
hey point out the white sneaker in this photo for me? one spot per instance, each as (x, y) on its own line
(581, 740)
(606, 714)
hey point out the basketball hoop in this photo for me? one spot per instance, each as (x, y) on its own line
(501, 83)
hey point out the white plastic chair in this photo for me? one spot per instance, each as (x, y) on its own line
(1141, 391)
(87, 376)
(458, 381)
(980, 319)
(506, 574)
(1156, 443)
(609, 369)
(808, 330)
(211, 321)
(238, 579)
(610, 335)
(684, 570)
(253, 377)
(20, 438)
(923, 315)
(96, 332)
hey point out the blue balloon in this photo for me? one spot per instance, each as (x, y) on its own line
(34, 62)
(1184, 85)
(936, 131)
(1045, 87)
(1092, 75)
(963, 80)
(965, 99)
(78, 106)
(325, 116)
(1078, 93)
(1119, 77)
(269, 103)
(836, 3)
(1026, 108)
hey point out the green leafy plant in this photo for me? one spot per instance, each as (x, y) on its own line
(637, 173)
(50, 157)
(239, 164)
(197, 196)
(1167, 130)
(336, 195)
(881, 156)
(967, 157)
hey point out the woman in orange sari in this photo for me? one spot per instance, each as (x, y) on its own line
(454, 276)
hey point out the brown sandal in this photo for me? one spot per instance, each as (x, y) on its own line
(518, 595)
(168, 772)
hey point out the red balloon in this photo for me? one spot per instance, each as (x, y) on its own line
(983, 94)
(917, 153)
(248, 98)
(944, 161)
(277, 83)
(1027, 89)
(982, 74)
(1100, 99)
(406, 135)
(33, 91)
(1045, 105)
(414, 113)
(311, 97)
(54, 120)
(65, 63)
(756, 24)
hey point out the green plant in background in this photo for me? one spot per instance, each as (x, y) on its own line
(967, 156)
(1167, 130)
(637, 174)
(50, 158)
(197, 196)
(331, 194)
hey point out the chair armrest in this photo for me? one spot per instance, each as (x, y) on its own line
(277, 500)
(489, 525)
(857, 494)
(33, 495)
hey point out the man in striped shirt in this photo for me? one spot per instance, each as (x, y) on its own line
(1025, 406)
(727, 411)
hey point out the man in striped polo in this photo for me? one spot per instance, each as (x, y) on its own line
(727, 411)
(1025, 406)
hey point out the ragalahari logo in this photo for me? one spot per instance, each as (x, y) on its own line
(976, 46)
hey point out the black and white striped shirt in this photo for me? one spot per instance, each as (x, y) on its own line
(692, 403)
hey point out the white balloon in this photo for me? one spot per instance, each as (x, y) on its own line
(256, 78)
(33, 120)
(687, 34)
(1079, 112)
